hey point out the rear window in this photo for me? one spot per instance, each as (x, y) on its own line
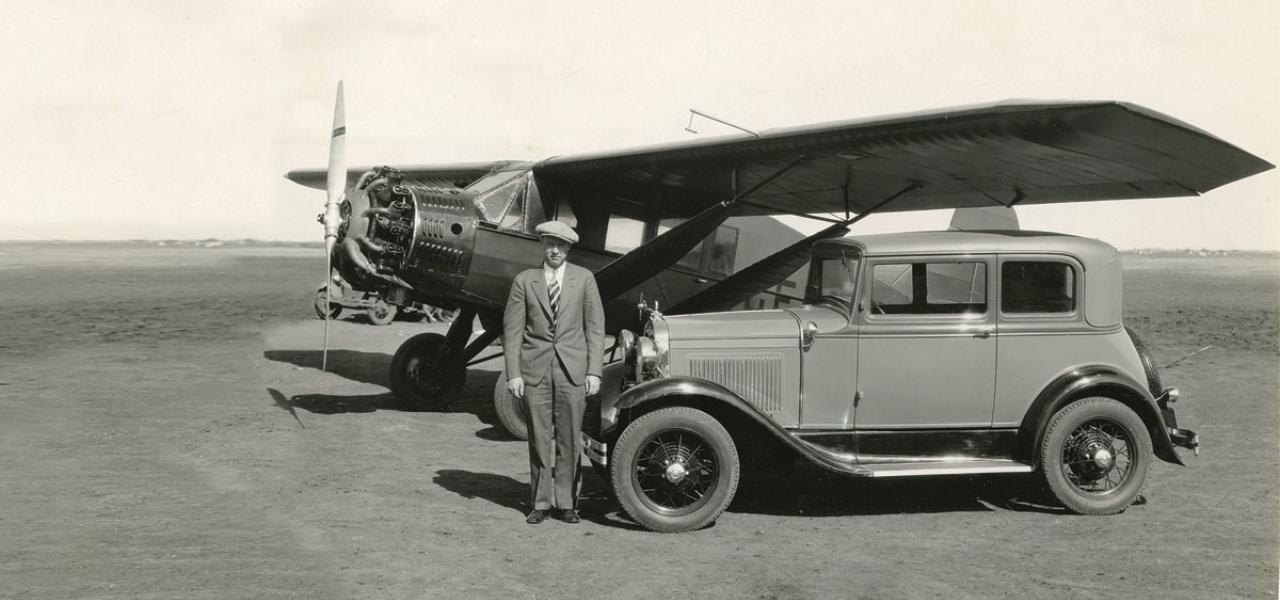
(1037, 287)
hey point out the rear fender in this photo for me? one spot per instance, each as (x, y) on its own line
(1084, 382)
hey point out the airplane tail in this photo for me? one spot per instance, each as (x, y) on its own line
(988, 217)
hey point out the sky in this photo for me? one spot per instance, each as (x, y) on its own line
(178, 119)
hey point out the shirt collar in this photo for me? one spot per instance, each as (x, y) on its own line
(558, 273)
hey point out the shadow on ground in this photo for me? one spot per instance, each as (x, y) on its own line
(812, 492)
(372, 368)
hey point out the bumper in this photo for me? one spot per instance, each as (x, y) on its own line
(597, 452)
(1185, 438)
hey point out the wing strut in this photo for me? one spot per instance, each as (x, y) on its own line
(770, 271)
(654, 256)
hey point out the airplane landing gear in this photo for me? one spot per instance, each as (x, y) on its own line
(429, 370)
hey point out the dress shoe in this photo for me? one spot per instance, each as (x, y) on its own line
(537, 516)
(569, 515)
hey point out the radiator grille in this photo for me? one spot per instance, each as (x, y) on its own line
(757, 378)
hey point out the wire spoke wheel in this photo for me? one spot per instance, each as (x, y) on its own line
(1095, 455)
(675, 469)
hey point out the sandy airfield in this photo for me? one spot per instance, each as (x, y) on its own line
(166, 433)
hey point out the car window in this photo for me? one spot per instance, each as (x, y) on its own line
(832, 281)
(929, 288)
(1037, 287)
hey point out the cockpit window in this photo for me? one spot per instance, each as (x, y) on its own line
(495, 204)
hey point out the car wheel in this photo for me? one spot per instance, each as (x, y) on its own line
(1154, 384)
(321, 299)
(1095, 456)
(415, 379)
(674, 469)
(509, 409)
(381, 313)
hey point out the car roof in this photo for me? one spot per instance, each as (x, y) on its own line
(972, 242)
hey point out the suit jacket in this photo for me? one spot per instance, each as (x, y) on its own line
(528, 341)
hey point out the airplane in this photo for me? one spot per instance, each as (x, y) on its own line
(455, 235)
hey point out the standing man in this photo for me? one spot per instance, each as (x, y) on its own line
(553, 342)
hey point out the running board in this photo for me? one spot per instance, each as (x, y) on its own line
(960, 467)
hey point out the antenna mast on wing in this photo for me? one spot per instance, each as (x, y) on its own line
(693, 112)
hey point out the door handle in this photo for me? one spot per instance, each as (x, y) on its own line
(698, 279)
(984, 333)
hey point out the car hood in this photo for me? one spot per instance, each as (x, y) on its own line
(768, 326)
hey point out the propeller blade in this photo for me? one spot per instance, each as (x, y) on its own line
(336, 182)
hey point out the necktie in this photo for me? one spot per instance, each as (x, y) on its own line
(554, 294)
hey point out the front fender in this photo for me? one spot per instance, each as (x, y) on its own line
(656, 390)
(721, 403)
(1094, 380)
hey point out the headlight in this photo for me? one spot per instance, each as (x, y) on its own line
(647, 356)
(627, 346)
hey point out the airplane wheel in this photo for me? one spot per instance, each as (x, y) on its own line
(416, 381)
(381, 313)
(335, 309)
(674, 469)
(509, 408)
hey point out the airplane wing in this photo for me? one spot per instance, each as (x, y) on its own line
(1003, 154)
(460, 175)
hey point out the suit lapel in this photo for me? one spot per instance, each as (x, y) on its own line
(540, 290)
(568, 290)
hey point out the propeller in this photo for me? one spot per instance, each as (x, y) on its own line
(336, 183)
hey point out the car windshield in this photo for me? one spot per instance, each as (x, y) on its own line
(831, 281)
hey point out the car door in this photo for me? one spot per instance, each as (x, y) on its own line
(926, 344)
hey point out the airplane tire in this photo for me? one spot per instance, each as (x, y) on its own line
(509, 408)
(335, 309)
(417, 384)
(381, 313)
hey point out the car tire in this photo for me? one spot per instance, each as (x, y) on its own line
(509, 408)
(1154, 385)
(335, 309)
(1095, 456)
(417, 384)
(675, 469)
(381, 313)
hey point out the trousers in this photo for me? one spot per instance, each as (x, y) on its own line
(553, 410)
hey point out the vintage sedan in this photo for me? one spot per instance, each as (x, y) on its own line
(916, 354)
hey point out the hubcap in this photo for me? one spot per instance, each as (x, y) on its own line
(1102, 458)
(676, 472)
(1097, 457)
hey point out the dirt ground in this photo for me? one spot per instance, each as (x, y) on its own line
(166, 432)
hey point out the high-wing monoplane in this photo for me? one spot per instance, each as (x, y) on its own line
(651, 219)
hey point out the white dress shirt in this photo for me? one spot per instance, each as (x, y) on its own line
(550, 274)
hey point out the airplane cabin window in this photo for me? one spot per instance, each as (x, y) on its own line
(724, 250)
(625, 234)
(692, 260)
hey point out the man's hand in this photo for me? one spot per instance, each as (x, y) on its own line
(516, 387)
(593, 385)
